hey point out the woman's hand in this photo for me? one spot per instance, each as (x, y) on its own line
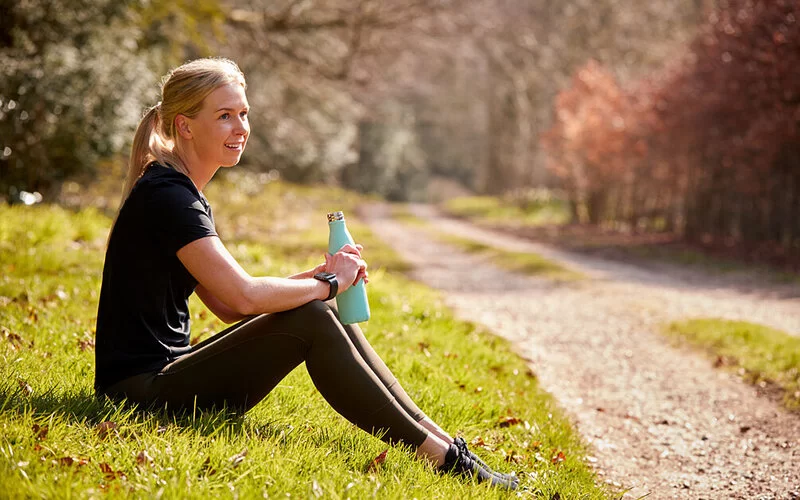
(347, 265)
(310, 273)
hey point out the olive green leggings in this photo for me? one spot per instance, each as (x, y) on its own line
(238, 367)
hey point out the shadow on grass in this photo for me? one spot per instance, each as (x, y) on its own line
(83, 407)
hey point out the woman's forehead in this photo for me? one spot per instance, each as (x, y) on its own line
(228, 96)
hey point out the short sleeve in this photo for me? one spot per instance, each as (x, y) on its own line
(181, 215)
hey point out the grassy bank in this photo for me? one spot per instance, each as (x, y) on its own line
(58, 441)
(526, 262)
(763, 356)
(547, 220)
(542, 209)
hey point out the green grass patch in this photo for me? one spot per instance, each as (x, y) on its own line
(54, 442)
(526, 262)
(763, 355)
(536, 209)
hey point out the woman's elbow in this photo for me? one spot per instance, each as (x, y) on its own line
(245, 304)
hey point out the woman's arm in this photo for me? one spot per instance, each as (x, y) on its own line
(228, 315)
(218, 274)
(220, 309)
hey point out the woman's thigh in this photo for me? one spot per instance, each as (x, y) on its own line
(236, 368)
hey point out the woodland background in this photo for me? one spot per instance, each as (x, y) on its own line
(674, 116)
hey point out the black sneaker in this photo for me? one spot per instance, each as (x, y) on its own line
(458, 461)
(462, 444)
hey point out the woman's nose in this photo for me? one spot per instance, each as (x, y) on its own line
(242, 127)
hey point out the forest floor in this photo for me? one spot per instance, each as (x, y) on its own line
(661, 420)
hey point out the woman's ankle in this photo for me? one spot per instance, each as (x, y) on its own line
(433, 449)
(434, 429)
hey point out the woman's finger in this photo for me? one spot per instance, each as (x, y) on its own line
(351, 249)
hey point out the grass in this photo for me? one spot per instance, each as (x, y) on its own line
(764, 356)
(57, 440)
(526, 262)
(543, 216)
(541, 208)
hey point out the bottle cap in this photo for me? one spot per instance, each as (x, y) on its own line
(332, 216)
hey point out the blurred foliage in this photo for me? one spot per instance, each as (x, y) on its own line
(705, 147)
(75, 76)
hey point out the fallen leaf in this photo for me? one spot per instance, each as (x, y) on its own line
(509, 421)
(238, 458)
(206, 467)
(478, 442)
(40, 431)
(26, 387)
(110, 474)
(85, 344)
(423, 346)
(105, 429)
(33, 315)
(515, 457)
(144, 458)
(376, 462)
(558, 457)
(450, 355)
(13, 338)
(68, 461)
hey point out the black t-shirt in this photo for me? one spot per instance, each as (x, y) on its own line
(143, 316)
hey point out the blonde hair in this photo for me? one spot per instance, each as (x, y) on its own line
(183, 91)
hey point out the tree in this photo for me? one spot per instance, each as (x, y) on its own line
(74, 78)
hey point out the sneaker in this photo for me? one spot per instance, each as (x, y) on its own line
(458, 461)
(462, 444)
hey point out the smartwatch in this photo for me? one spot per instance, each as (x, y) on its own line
(329, 278)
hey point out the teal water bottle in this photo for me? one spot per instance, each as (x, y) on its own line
(352, 303)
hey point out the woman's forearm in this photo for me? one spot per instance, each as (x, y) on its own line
(269, 294)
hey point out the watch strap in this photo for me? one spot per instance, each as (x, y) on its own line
(329, 278)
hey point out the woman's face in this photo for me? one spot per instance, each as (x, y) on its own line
(221, 129)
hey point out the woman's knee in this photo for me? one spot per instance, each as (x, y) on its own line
(317, 321)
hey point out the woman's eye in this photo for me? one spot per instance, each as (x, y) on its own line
(224, 116)
(243, 114)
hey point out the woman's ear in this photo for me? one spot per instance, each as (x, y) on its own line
(183, 127)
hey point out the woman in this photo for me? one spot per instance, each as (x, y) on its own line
(163, 247)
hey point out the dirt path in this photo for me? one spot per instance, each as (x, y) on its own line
(661, 420)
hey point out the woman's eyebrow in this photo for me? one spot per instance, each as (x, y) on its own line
(230, 109)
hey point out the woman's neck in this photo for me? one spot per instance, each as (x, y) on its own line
(199, 172)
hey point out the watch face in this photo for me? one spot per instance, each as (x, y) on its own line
(325, 276)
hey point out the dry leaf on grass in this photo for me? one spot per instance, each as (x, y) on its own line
(376, 462)
(106, 429)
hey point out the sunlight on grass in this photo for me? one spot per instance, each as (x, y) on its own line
(538, 210)
(762, 355)
(54, 442)
(526, 262)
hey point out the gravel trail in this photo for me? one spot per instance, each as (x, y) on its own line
(661, 420)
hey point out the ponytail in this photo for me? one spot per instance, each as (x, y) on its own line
(141, 154)
(148, 146)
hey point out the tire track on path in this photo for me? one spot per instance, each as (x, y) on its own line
(660, 419)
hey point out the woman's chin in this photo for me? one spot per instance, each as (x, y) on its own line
(232, 163)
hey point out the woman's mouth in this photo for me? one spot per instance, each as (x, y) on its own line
(236, 146)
